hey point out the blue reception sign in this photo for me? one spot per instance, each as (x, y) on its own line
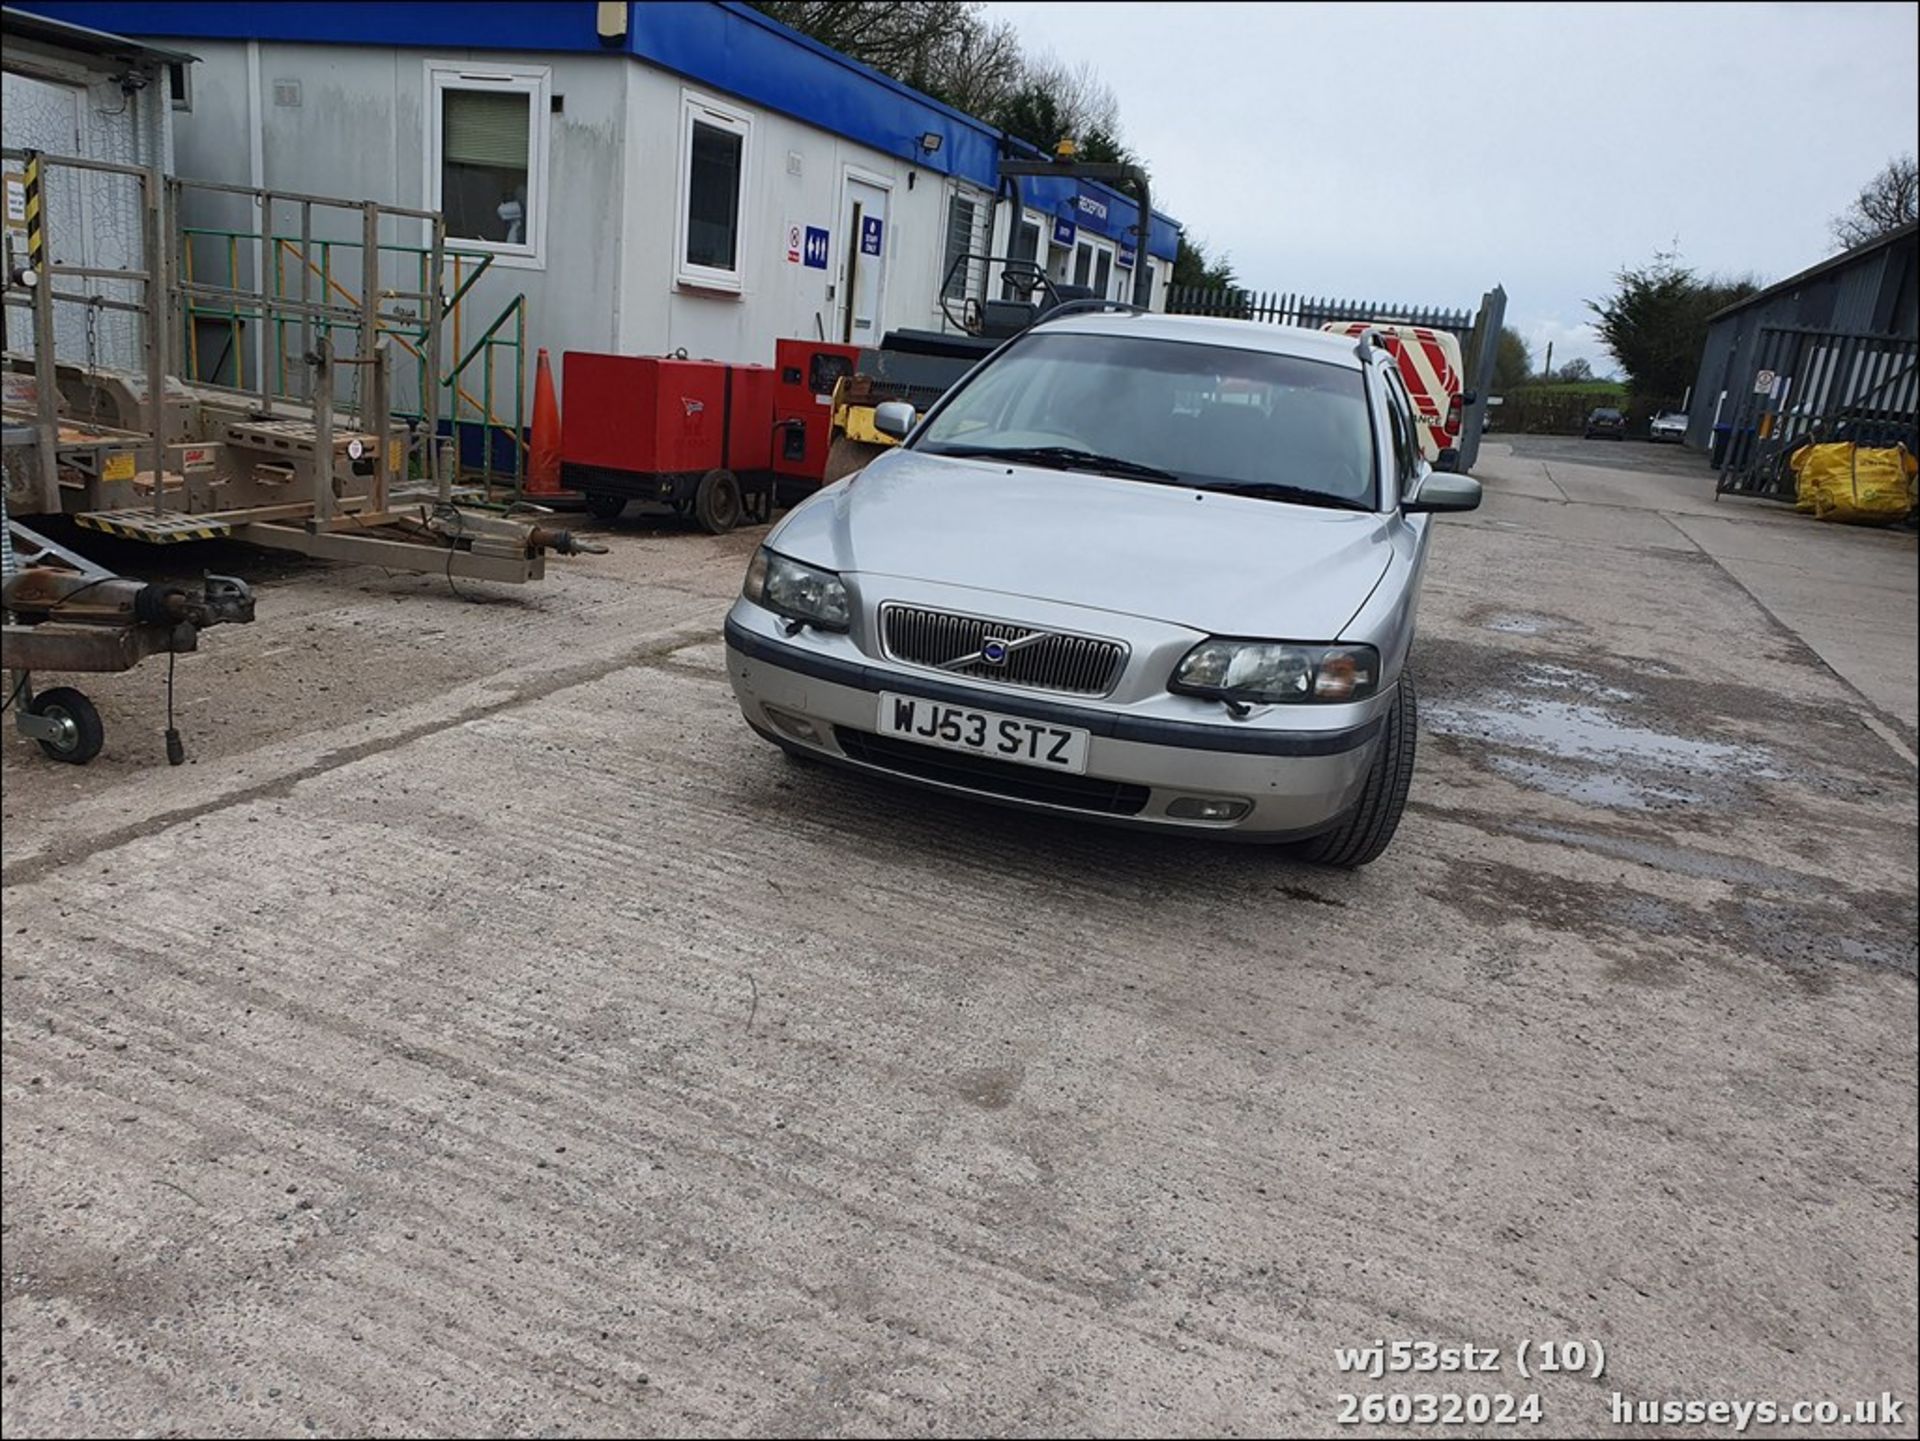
(871, 229)
(1064, 231)
(815, 251)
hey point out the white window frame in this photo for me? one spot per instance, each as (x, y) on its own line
(981, 203)
(721, 116)
(536, 83)
(1041, 256)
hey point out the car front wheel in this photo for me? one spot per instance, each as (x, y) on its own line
(1363, 832)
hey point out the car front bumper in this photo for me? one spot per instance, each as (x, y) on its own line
(809, 700)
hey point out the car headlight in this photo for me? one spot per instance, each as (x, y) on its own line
(801, 592)
(1276, 673)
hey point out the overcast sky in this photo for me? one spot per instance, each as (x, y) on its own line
(1421, 153)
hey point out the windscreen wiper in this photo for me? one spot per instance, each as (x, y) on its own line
(1063, 457)
(1300, 494)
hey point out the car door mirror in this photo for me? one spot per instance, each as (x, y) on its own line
(1442, 491)
(1448, 461)
(894, 418)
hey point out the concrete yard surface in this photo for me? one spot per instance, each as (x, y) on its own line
(487, 1033)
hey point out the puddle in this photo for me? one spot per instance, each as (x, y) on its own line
(1600, 788)
(1667, 858)
(1519, 623)
(1547, 676)
(1587, 733)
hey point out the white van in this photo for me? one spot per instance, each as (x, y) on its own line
(1430, 364)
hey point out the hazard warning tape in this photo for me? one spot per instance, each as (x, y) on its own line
(36, 231)
(151, 536)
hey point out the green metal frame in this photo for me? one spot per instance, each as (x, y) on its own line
(413, 337)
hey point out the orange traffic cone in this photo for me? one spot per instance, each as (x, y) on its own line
(543, 470)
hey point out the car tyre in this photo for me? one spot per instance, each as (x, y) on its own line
(717, 504)
(1363, 832)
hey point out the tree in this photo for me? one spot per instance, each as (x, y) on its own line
(1193, 266)
(950, 51)
(1575, 371)
(1102, 147)
(1655, 323)
(1032, 113)
(1512, 360)
(1888, 201)
(953, 53)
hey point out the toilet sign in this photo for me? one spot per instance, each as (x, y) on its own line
(815, 248)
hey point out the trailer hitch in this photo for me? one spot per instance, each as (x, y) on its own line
(561, 542)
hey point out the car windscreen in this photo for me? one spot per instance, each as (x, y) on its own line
(1214, 417)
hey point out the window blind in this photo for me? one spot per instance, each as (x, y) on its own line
(484, 127)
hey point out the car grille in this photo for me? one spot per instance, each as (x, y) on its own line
(999, 778)
(1074, 664)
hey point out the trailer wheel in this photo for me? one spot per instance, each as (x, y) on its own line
(604, 506)
(81, 733)
(716, 504)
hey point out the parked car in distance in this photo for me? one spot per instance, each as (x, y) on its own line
(1154, 570)
(1668, 425)
(1605, 421)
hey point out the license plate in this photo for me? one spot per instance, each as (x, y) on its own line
(984, 733)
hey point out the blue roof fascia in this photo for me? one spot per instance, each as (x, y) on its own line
(719, 43)
(735, 48)
(564, 25)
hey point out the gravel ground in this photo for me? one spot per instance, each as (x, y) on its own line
(487, 1033)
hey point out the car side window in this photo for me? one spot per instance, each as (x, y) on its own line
(1406, 449)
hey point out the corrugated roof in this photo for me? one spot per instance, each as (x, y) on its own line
(1813, 272)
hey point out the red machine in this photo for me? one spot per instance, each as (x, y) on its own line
(696, 435)
(711, 440)
(805, 373)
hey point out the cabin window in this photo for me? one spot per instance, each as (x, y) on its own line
(716, 142)
(488, 159)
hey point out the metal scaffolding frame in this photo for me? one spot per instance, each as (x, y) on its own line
(290, 472)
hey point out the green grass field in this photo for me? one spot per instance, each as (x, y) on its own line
(1616, 388)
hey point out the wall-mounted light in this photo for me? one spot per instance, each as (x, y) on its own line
(930, 141)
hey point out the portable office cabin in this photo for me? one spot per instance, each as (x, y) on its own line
(653, 177)
(75, 91)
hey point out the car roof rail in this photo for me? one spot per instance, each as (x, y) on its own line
(1368, 341)
(1089, 307)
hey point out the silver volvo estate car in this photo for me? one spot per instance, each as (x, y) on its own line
(1156, 570)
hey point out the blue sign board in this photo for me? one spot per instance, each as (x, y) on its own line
(815, 250)
(871, 227)
(1063, 231)
(1126, 257)
(1091, 205)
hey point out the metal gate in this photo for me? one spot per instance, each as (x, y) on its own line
(1811, 386)
(1477, 330)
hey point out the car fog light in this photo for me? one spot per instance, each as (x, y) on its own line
(797, 726)
(1208, 808)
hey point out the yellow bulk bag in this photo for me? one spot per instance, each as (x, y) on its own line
(1855, 484)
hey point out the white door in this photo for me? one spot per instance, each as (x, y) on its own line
(864, 222)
